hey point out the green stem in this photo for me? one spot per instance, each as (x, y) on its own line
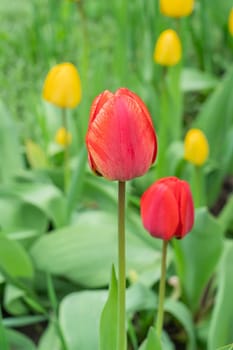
(66, 153)
(198, 187)
(54, 304)
(121, 339)
(159, 321)
(163, 125)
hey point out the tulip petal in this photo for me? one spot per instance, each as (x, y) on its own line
(62, 86)
(120, 139)
(159, 211)
(98, 103)
(186, 210)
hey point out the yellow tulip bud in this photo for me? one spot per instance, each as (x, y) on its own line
(176, 8)
(63, 137)
(133, 276)
(62, 86)
(168, 49)
(230, 22)
(196, 147)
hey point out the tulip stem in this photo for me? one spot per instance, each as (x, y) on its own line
(66, 152)
(159, 321)
(121, 334)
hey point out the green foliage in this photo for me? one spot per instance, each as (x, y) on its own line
(196, 258)
(108, 321)
(75, 319)
(66, 250)
(222, 319)
(71, 236)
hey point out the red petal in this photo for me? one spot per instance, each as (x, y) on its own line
(186, 209)
(98, 103)
(159, 211)
(120, 139)
(142, 106)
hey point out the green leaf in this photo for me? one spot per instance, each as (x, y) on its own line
(13, 302)
(14, 259)
(193, 80)
(79, 318)
(152, 342)
(50, 339)
(221, 327)
(184, 316)
(108, 321)
(13, 219)
(198, 254)
(77, 182)
(3, 337)
(45, 196)
(139, 297)
(35, 155)
(225, 218)
(85, 252)
(9, 146)
(216, 111)
(18, 341)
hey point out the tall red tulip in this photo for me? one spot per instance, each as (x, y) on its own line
(167, 211)
(167, 208)
(121, 140)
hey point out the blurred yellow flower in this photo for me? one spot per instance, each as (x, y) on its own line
(230, 22)
(176, 8)
(196, 147)
(133, 276)
(62, 86)
(63, 137)
(168, 51)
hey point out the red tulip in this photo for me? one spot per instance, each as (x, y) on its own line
(121, 140)
(167, 208)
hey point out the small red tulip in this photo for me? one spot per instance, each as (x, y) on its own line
(121, 139)
(167, 208)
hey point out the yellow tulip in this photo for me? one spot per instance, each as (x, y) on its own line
(168, 49)
(176, 8)
(63, 137)
(62, 86)
(230, 22)
(196, 147)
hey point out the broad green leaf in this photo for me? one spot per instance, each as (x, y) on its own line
(139, 297)
(198, 254)
(50, 339)
(217, 111)
(108, 321)
(79, 318)
(4, 344)
(225, 218)
(18, 341)
(221, 327)
(14, 220)
(14, 259)
(100, 194)
(35, 155)
(45, 196)
(77, 182)
(85, 252)
(152, 342)
(184, 316)
(226, 347)
(13, 300)
(9, 146)
(193, 80)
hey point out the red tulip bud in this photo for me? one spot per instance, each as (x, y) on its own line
(167, 208)
(121, 140)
